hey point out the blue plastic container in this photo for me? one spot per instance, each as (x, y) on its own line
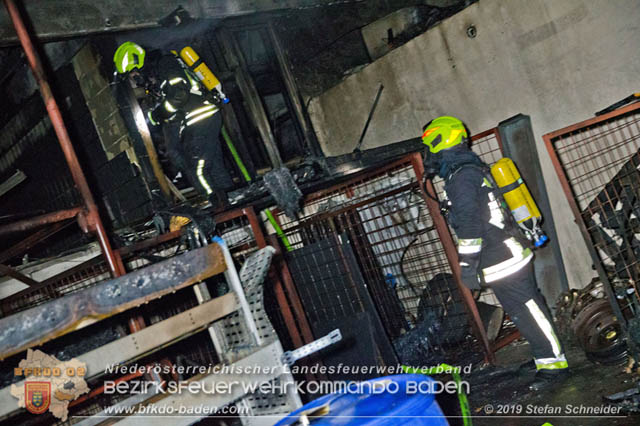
(389, 402)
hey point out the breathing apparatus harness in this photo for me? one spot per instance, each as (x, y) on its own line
(511, 227)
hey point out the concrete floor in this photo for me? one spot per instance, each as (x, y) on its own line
(502, 388)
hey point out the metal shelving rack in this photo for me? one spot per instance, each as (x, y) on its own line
(243, 338)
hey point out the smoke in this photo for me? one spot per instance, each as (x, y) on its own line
(168, 38)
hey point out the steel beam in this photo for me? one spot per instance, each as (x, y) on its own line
(60, 316)
(9, 271)
(294, 94)
(90, 219)
(84, 17)
(16, 179)
(31, 241)
(237, 64)
(142, 343)
(123, 252)
(45, 219)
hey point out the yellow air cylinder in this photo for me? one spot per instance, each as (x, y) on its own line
(199, 68)
(519, 199)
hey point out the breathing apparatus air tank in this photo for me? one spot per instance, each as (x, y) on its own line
(203, 73)
(200, 69)
(520, 202)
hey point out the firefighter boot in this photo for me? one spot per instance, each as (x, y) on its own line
(547, 378)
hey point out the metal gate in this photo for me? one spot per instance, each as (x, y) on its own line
(597, 163)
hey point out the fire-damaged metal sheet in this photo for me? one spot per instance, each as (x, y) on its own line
(50, 320)
(284, 190)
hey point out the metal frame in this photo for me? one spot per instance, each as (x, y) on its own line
(240, 328)
(287, 298)
(415, 162)
(32, 240)
(452, 255)
(549, 141)
(89, 217)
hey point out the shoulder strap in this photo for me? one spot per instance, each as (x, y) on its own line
(470, 164)
(511, 225)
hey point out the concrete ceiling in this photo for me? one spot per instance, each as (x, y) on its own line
(56, 19)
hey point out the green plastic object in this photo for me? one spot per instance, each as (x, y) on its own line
(247, 177)
(235, 155)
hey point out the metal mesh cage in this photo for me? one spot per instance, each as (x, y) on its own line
(597, 162)
(383, 219)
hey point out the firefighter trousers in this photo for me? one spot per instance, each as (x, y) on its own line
(523, 302)
(204, 159)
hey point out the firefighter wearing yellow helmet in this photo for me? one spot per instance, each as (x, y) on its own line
(189, 116)
(491, 251)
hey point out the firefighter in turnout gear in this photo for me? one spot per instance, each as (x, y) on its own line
(189, 115)
(490, 249)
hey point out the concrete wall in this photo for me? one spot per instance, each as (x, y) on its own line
(375, 35)
(556, 61)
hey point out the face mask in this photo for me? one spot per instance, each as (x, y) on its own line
(431, 164)
(139, 80)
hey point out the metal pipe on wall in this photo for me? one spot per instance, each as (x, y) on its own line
(90, 217)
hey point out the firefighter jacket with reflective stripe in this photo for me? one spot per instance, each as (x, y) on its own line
(487, 247)
(182, 95)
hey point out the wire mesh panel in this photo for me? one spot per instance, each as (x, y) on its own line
(235, 229)
(80, 277)
(399, 255)
(597, 162)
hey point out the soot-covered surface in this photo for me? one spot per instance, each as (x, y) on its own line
(504, 388)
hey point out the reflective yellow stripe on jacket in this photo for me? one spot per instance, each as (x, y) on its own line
(200, 113)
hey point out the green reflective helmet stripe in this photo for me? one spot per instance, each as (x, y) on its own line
(450, 130)
(128, 56)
